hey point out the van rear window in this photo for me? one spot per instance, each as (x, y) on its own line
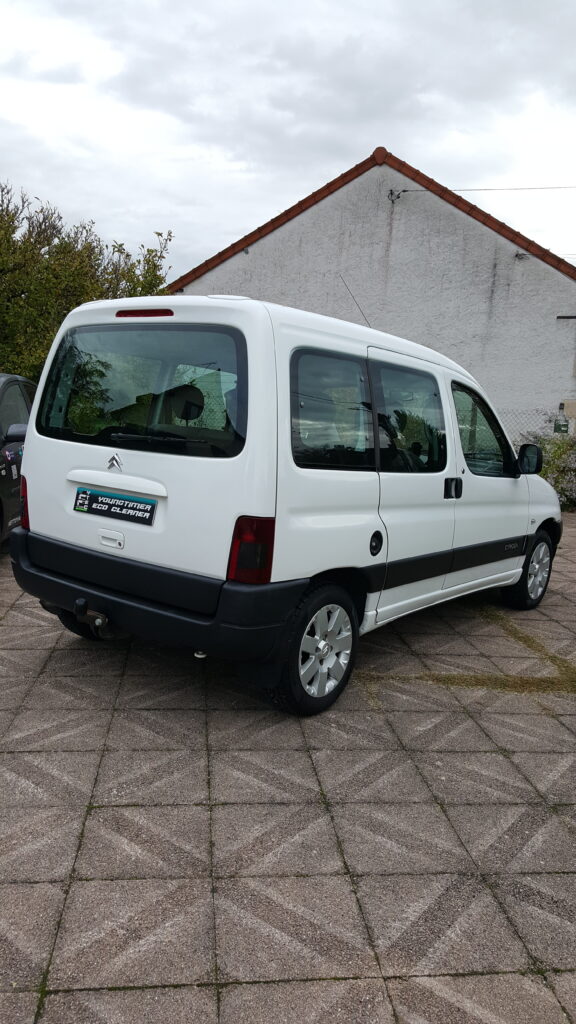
(178, 388)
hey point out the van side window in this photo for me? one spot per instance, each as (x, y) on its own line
(331, 412)
(411, 428)
(484, 444)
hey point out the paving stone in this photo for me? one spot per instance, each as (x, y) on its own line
(369, 775)
(349, 730)
(524, 837)
(438, 730)
(91, 660)
(6, 719)
(412, 695)
(316, 1002)
(558, 703)
(47, 779)
(373, 657)
(526, 668)
(356, 696)
(161, 692)
(274, 839)
(406, 838)
(501, 647)
(27, 613)
(18, 1007)
(152, 777)
(13, 691)
(482, 698)
(86, 692)
(563, 612)
(156, 661)
(253, 730)
(22, 663)
(569, 721)
(57, 730)
(72, 642)
(134, 933)
(157, 730)
(434, 924)
(549, 632)
(28, 919)
(38, 844)
(283, 928)
(224, 695)
(32, 638)
(421, 622)
(528, 732)
(553, 775)
(474, 778)
(386, 639)
(564, 986)
(474, 665)
(147, 1006)
(543, 910)
(561, 644)
(438, 644)
(484, 999)
(478, 626)
(263, 776)
(145, 842)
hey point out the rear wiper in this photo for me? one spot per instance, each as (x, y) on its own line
(149, 439)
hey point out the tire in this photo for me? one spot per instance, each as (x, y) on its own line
(79, 628)
(533, 583)
(320, 652)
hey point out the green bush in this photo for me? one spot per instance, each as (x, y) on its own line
(47, 268)
(559, 466)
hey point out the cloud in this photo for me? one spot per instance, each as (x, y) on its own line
(211, 118)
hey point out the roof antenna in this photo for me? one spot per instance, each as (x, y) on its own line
(354, 298)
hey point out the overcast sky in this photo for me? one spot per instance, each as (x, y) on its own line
(209, 118)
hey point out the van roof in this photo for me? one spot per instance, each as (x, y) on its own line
(280, 315)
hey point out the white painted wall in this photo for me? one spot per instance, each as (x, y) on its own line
(424, 270)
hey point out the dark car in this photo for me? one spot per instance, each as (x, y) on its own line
(16, 397)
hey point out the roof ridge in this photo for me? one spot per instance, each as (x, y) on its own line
(379, 157)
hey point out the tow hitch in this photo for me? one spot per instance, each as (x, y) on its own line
(97, 621)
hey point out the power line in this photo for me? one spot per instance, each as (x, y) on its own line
(511, 188)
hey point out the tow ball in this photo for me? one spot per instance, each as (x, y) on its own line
(98, 622)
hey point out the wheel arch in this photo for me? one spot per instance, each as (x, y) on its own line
(554, 531)
(351, 580)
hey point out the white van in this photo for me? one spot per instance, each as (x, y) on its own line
(264, 483)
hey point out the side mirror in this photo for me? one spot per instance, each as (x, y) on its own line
(16, 433)
(530, 458)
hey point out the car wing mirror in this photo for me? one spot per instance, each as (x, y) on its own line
(530, 458)
(16, 433)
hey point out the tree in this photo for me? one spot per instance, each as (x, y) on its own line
(47, 268)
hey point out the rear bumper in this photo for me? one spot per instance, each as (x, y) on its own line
(245, 622)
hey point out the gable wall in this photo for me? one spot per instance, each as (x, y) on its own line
(424, 270)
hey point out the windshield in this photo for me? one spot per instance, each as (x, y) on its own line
(180, 388)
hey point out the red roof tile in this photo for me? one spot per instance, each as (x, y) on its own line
(379, 157)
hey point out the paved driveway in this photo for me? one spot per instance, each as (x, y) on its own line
(172, 851)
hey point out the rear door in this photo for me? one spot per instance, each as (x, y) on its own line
(143, 446)
(417, 463)
(492, 514)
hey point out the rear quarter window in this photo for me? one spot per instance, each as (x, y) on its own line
(331, 412)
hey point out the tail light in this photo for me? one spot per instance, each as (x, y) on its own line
(145, 312)
(251, 550)
(24, 517)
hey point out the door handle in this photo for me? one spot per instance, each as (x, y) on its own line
(453, 487)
